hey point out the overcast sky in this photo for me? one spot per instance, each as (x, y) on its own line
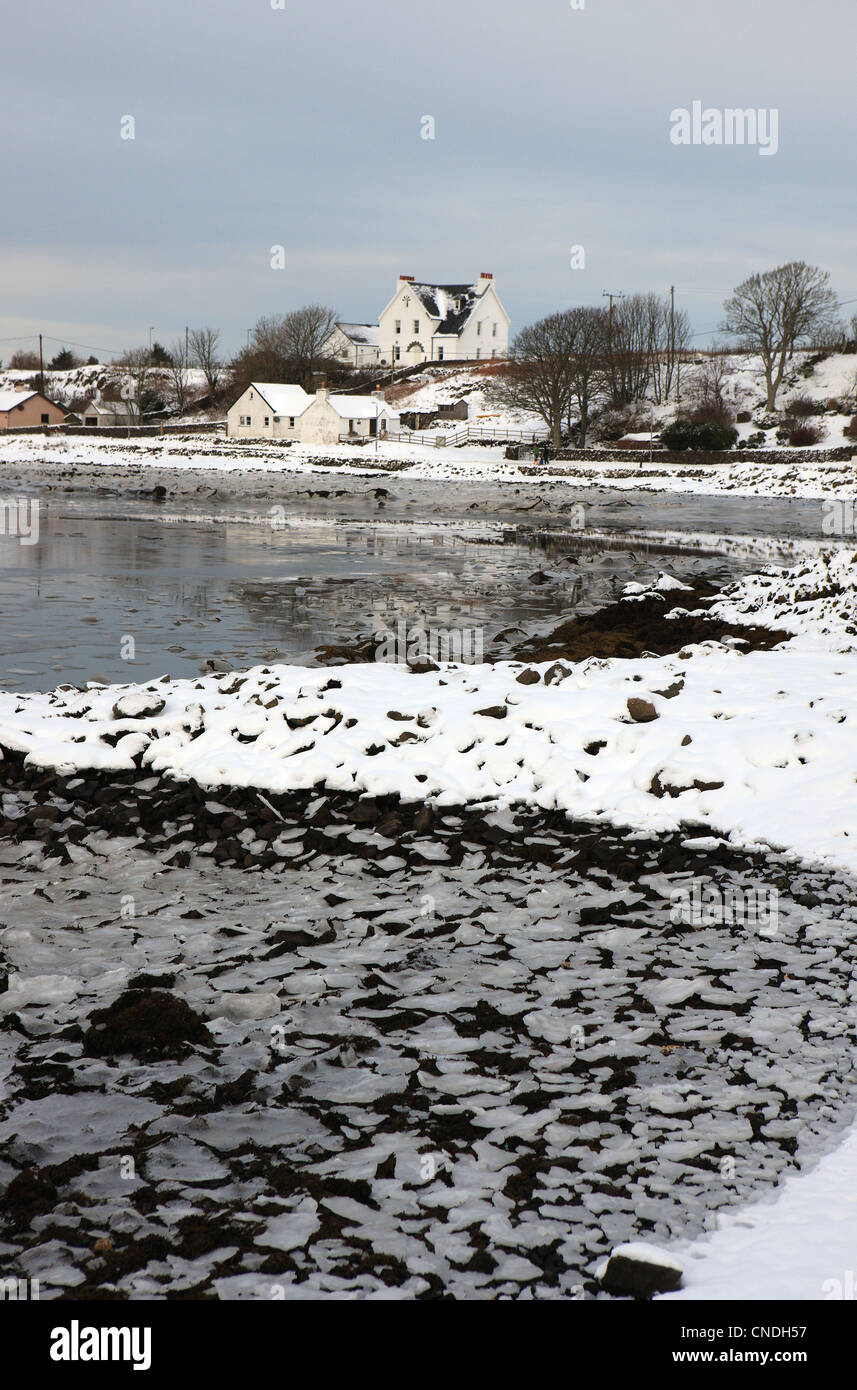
(301, 126)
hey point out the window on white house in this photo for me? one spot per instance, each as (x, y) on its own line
(398, 325)
(398, 354)
(416, 325)
(276, 419)
(478, 353)
(249, 421)
(440, 354)
(267, 421)
(495, 331)
(251, 395)
(479, 330)
(291, 422)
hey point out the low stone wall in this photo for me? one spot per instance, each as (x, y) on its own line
(690, 458)
(121, 431)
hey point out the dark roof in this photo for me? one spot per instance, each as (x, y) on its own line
(439, 302)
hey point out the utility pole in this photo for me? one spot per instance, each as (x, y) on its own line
(606, 294)
(41, 367)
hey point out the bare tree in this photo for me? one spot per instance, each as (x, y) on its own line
(307, 332)
(774, 312)
(288, 347)
(539, 375)
(23, 361)
(628, 343)
(178, 372)
(587, 362)
(137, 389)
(204, 352)
(708, 390)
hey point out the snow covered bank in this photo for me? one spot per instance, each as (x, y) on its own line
(757, 746)
(182, 462)
(802, 1245)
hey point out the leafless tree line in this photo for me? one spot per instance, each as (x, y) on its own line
(567, 364)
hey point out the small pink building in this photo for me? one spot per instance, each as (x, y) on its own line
(19, 409)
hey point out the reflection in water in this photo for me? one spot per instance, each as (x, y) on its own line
(193, 590)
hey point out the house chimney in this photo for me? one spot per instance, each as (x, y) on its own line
(322, 393)
(403, 279)
(378, 393)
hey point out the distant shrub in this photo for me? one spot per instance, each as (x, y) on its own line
(835, 406)
(755, 441)
(801, 436)
(743, 417)
(698, 435)
(802, 407)
(850, 430)
(712, 413)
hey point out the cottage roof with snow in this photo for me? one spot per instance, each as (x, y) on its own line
(283, 398)
(364, 334)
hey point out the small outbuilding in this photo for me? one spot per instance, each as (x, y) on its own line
(106, 414)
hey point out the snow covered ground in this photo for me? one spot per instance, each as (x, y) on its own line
(180, 461)
(801, 1245)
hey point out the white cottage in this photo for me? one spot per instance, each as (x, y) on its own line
(269, 410)
(332, 418)
(355, 344)
(443, 323)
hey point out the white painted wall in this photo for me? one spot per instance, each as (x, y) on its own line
(469, 344)
(264, 424)
(340, 347)
(388, 338)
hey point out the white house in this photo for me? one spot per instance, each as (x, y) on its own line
(443, 323)
(270, 410)
(267, 410)
(356, 344)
